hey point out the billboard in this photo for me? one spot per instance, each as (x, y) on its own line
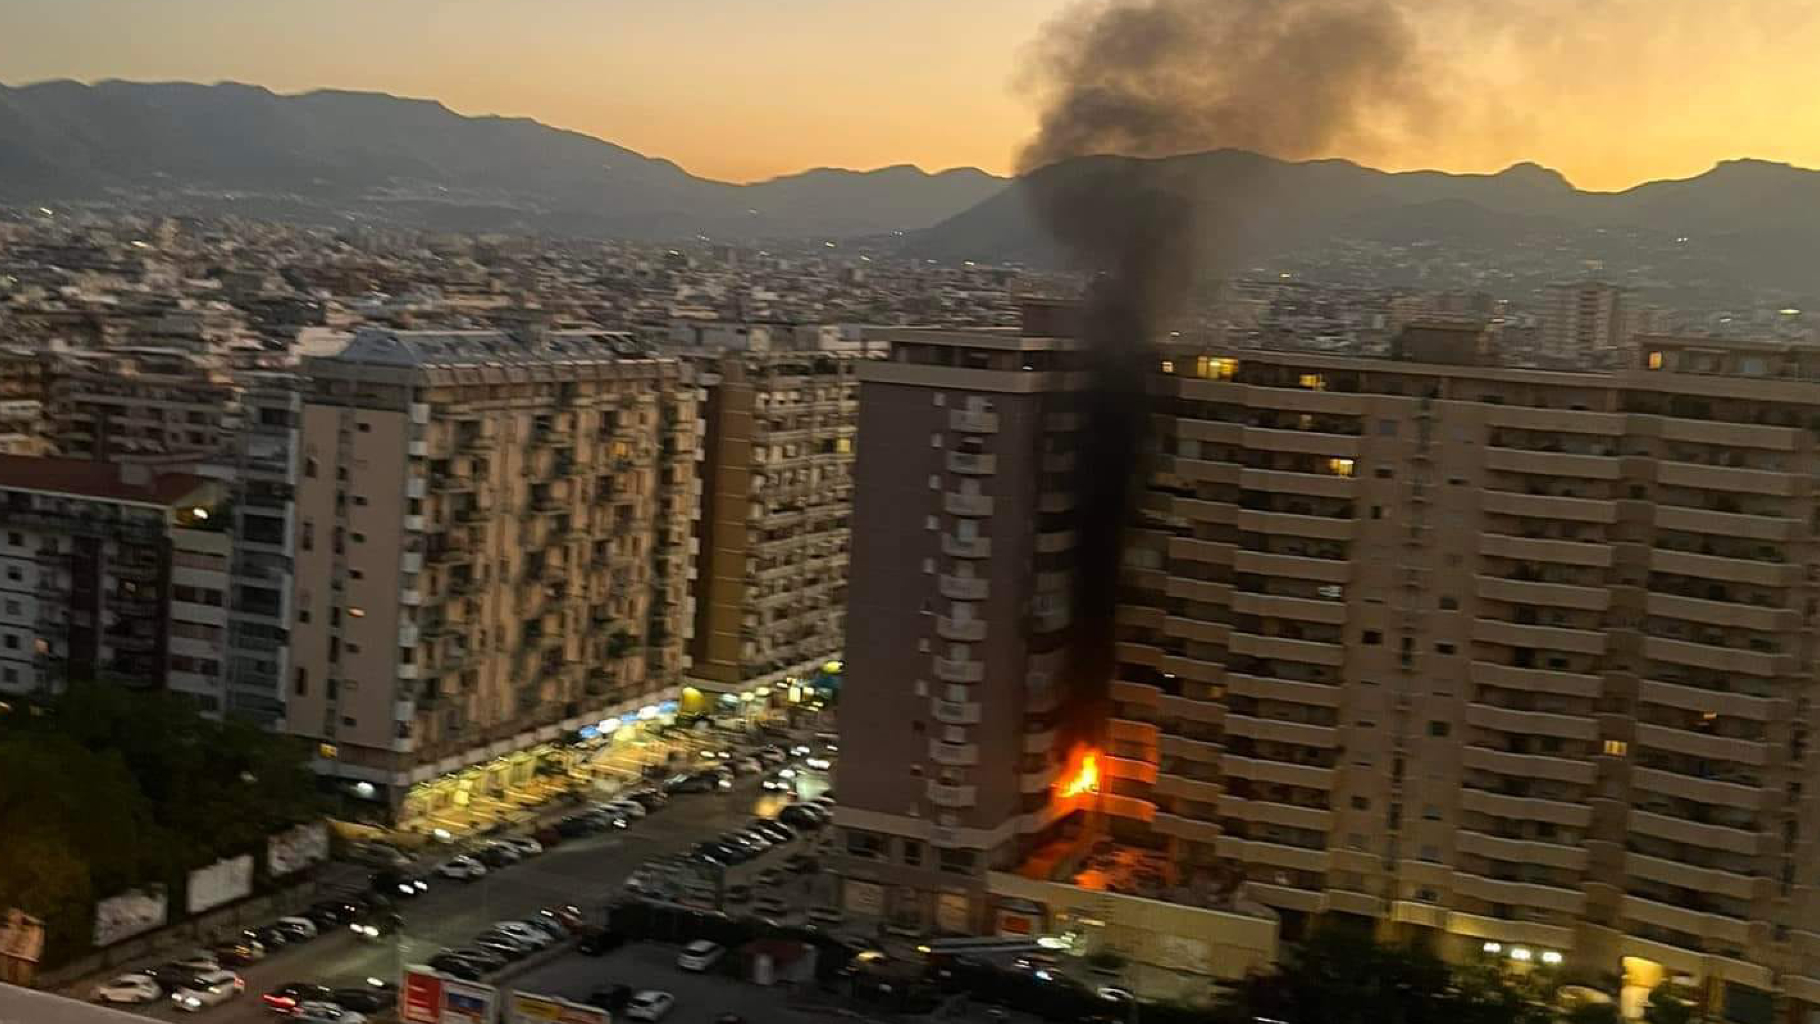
(131, 913)
(525, 1008)
(221, 882)
(430, 998)
(297, 848)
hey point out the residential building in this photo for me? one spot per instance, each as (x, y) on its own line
(141, 405)
(1518, 660)
(263, 480)
(112, 573)
(777, 500)
(1585, 322)
(491, 554)
(956, 616)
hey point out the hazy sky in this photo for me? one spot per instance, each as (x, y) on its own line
(1608, 91)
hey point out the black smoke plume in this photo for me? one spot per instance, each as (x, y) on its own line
(1157, 78)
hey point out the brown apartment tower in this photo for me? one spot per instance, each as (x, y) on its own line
(956, 614)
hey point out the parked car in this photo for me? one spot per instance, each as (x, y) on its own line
(651, 799)
(327, 1013)
(600, 942)
(286, 998)
(525, 845)
(457, 967)
(238, 952)
(568, 915)
(504, 945)
(626, 808)
(611, 998)
(300, 929)
(800, 816)
(650, 1005)
(172, 976)
(368, 998)
(398, 884)
(497, 855)
(210, 988)
(462, 868)
(328, 913)
(776, 831)
(273, 937)
(128, 988)
(491, 959)
(700, 955)
(575, 826)
(524, 932)
(379, 855)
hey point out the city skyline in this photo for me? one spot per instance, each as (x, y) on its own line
(1535, 91)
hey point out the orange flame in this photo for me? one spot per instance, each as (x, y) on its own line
(1087, 778)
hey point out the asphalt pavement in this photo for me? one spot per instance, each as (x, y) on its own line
(586, 872)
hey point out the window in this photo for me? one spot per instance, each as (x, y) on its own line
(1340, 467)
(1384, 473)
(958, 862)
(913, 853)
(310, 467)
(358, 538)
(12, 573)
(1449, 604)
(1312, 381)
(1655, 360)
(356, 574)
(1377, 511)
(931, 523)
(1430, 854)
(365, 428)
(1211, 368)
(12, 641)
(1431, 812)
(12, 608)
(11, 675)
(360, 500)
(935, 440)
(1617, 748)
(865, 844)
(15, 539)
(1361, 803)
(1439, 728)
(1443, 647)
(1372, 636)
(1387, 428)
(1169, 366)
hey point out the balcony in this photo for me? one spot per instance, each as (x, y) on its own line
(1698, 744)
(1330, 613)
(1774, 529)
(1182, 628)
(1563, 421)
(1281, 772)
(1563, 552)
(1257, 563)
(1528, 766)
(964, 588)
(1172, 745)
(956, 547)
(1520, 851)
(1269, 688)
(1525, 723)
(1696, 879)
(1267, 812)
(954, 754)
(966, 504)
(1311, 652)
(1542, 506)
(1055, 542)
(1306, 442)
(1252, 851)
(1526, 808)
(1321, 736)
(1535, 680)
(1198, 590)
(951, 796)
(1139, 694)
(1319, 485)
(1691, 833)
(1719, 792)
(1185, 788)
(1038, 781)
(1723, 614)
(1040, 741)
(1217, 513)
(972, 464)
(1701, 699)
(1210, 552)
(1520, 894)
(1188, 709)
(1553, 595)
(1718, 659)
(1202, 470)
(1287, 525)
(1553, 464)
(1711, 927)
(970, 630)
(1729, 570)
(1185, 828)
(968, 422)
(1697, 476)
(959, 671)
(1197, 669)
(950, 712)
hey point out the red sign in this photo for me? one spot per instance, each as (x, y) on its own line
(420, 1001)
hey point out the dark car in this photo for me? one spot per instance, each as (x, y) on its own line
(458, 967)
(295, 930)
(333, 912)
(509, 949)
(798, 816)
(575, 826)
(611, 998)
(365, 998)
(399, 884)
(650, 798)
(600, 942)
(568, 915)
(238, 952)
(496, 856)
(274, 937)
(171, 977)
(286, 998)
(690, 784)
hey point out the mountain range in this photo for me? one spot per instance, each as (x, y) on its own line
(329, 153)
(327, 156)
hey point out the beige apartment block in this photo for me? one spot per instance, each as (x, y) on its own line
(493, 552)
(1521, 660)
(150, 406)
(777, 502)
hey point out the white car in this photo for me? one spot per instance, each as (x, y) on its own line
(464, 868)
(528, 934)
(627, 808)
(128, 988)
(301, 926)
(525, 845)
(699, 956)
(820, 764)
(326, 1013)
(211, 988)
(650, 1005)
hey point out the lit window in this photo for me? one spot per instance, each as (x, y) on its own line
(1340, 467)
(1655, 360)
(1212, 368)
(1616, 748)
(1168, 366)
(1313, 381)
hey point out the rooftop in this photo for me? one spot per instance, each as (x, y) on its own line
(91, 479)
(481, 348)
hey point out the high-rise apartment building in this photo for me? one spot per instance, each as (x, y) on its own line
(1521, 660)
(1584, 322)
(777, 500)
(151, 406)
(492, 551)
(263, 481)
(112, 574)
(956, 615)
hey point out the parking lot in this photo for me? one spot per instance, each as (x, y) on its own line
(700, 998)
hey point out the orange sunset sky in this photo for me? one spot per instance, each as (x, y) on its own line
(1610, 92)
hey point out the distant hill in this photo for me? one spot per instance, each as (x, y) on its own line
(1753, 223)
(415, 161)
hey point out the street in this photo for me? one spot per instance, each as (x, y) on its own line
(586, 872)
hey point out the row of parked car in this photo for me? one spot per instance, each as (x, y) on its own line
(509, 941)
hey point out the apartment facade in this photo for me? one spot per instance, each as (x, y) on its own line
(492, 552)
(264, 481)
(956, 614)
(1585, 321)
(113, 574)
(151, 406)
(777, 501)
(1518, 659)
